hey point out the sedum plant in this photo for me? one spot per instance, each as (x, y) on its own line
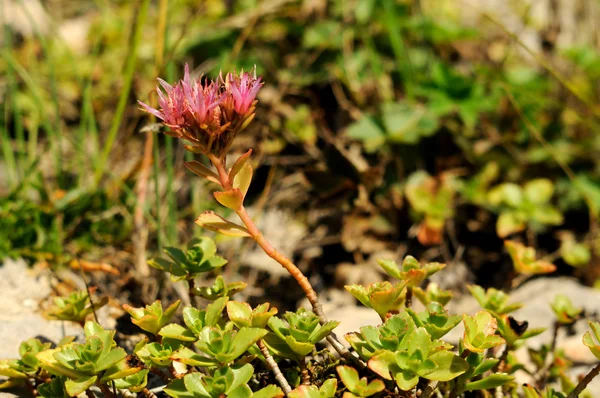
(152, 317)
(228, 381)
(96, 361)
(186, 265)
(229, 348)
(521, 207)
(76, 307)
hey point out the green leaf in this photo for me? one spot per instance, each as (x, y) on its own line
(177, 332)
(509, 222)
(492, 381)
(216, 223)
(367, 131)
(406, 123)
(203, 171)
(111, 358)
(191, 358)
(381, 363)
(240, 392)
(243, 179)
(135, 382)
(328, 388)
(279, 346)
(406, 379)
(301, 349)
(362, 387)
(507, 193)
(177, 255)
(78, 386)
(239, 313)
(448, 366)
(244, 339)
(214, 311)
(390, 267)
(53, 389)
(178, 389)
(239, 163)
(231, 199)
(270, 391)
(539, 191)
(322, 332)
(241, 376)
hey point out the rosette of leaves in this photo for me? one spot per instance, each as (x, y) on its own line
(298, 337)
(185, 265)
(219, 289)
(226, 381)
(433, 292)
(242, 315)
(417, 356)
(432, 199)
(387, 336)
(576, 254)
(76, 307)
(195, 320)
(327, 390)
(219, 347)
(358, 387)
(96, 360)
(593, 342)
(524, 260)
(157, 354)
(493, 300)
(411, 271)
(566, 313)
(435, 319)
(523, 207)
(152, 318)
(480, 332)
(134, 382)
(25, 368)
(383, 297)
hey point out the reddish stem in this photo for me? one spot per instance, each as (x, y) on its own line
(266, 246)
(290, 267)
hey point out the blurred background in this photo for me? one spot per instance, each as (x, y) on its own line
(436, 128)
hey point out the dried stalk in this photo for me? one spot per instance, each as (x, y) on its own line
(585, 381)
(285, 386)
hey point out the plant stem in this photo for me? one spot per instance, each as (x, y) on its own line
(148, 393)
(285, 262)
(543, 373)
(285, 386)
(304, 374)
(499, 368)
(408, 300)
(105, 390)
(429, 389)
(259, 238)
(89, 393)
(193, 298)
(585, 381)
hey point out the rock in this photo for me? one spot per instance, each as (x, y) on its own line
(21, 289)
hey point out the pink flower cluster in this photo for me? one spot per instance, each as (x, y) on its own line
(207, 113)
